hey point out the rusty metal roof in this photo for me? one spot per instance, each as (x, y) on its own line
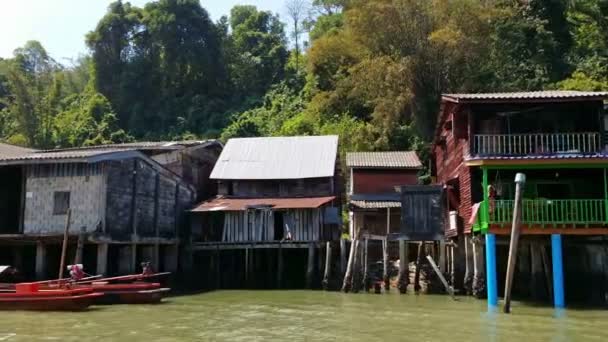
(277, 158)
(541, 96)
(88, 156)
(376, 204)
(239, 204)
(143, 145)
(7, 150)
(393, 159)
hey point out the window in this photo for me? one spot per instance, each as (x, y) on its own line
(61, 202)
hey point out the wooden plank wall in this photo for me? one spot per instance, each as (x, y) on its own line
(257, 225)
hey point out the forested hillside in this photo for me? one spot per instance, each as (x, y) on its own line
(372, 70)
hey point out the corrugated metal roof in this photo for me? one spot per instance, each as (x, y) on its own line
(529, 95)
(238, 204)
(142, 145)
(7, 150)
(393, 159)
(72, 155)
(376, 204)
(277, 158)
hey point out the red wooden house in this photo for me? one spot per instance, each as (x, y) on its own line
(373, 177)
(557, 138)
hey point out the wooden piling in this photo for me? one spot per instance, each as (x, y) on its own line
(342, 256)
(246, 266)
(385, 277)
(311, 266)
(365, 279)
(356, 267)
(280, 267)
(418, 265)
(327, 273)
(520, 180)
(64, 246)
(80, 246)
(479, 283)
(468, 266)
(404, 271)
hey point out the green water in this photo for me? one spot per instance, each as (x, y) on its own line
(306, 316)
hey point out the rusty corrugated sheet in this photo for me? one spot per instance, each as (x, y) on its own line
(7, 151)
(392, 159)
(376, 204)
(527, 95)
(277, 158)
(238, 204)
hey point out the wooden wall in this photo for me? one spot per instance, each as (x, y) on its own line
(143, 201)
(369, 181)
(194, 164)
(449, 163)
(259, 225)
(278, 188)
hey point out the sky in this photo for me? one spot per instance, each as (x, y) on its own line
(60, 25)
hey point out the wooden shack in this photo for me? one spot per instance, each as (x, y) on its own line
(127, 207)
(273, 193)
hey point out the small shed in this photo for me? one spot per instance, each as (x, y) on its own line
(422, 213)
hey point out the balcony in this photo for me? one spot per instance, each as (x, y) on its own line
(536, 144)
(546, 212)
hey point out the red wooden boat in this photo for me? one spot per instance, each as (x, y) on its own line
(28, 296)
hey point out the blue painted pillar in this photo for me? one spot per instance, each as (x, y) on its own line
(558, 271)
(491, 271)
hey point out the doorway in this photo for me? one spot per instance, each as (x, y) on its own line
(279, 224)
(11, 197)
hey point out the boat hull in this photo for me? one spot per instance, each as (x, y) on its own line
(78, 302)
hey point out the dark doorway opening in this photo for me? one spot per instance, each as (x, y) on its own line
(11, 183)
(279, 223)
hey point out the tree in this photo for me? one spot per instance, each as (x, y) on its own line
(297, 10)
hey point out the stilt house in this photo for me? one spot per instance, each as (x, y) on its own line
(126, 205)
(374, 178)
(273, 190)
(558, 140)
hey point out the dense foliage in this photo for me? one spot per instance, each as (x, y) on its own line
(372, 71)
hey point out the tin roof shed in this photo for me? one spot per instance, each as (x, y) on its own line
(277, 158)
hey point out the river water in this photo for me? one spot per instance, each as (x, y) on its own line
(307, 316)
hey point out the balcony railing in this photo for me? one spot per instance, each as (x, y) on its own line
(551, 212)
(536, 144)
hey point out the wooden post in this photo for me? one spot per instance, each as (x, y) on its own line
(64, 246)
(327, 275)
(246, 266)
(311, 266)
(80, 246)
(418, 265)
(218, 272)
(468, 266)
(520, 181)
(355, 276)
(41, 271)
(385, 277)
(280, 267)
(404, 271)
(365, 280)
(442, 259)
(102, 259)
(479, 284)
(452, 265)
(342, 256)
(448, 288)
(348, 274)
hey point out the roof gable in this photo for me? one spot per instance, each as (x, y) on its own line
(277, 158)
